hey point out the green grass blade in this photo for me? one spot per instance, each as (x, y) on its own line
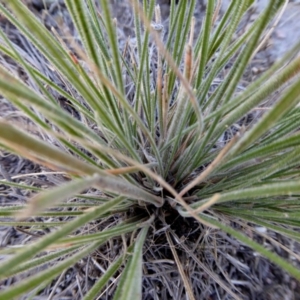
(130, 286)
(103, 280)
(36, 280)
(104, 235)
(33, 249)
(267, 190)
(288, 101)
(112, 37)
(52, 197)
(43, 260)
(295, 272)
(205, 42)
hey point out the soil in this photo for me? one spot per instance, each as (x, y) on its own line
(252, 276)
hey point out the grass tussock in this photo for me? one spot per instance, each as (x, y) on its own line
(158, 177)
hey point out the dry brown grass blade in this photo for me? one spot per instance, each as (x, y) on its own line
(207, 204)
(184, 277)
(188, 61)
(216, 12)
(214, 276)
(269, 33)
